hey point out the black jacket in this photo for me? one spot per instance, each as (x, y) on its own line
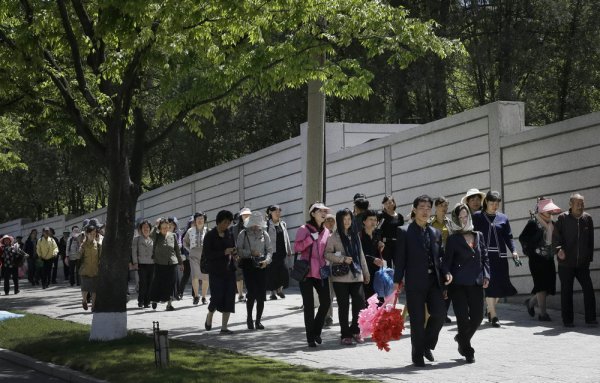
(411, 262)
(576, 237)
(468, 266)
(214, 250)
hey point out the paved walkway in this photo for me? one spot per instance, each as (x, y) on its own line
(522, 350)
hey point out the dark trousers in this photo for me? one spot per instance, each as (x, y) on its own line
(314, 324)
(145, 273)
(567, 276)
(7, 273)
(54, 269)
(422, 337)
(46, 272)
(74, 272)
(256, 285)
(66, 269)
(185, 276)
(343, 292)
(468, 308)
(31, 275)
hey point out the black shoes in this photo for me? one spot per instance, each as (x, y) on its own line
(530, 309)
(428, 355)
(418, 362)
(203, 300)
(225, 332)
(154, 305)
(196, 300)
(170, 308)
(250, 323)
(207, 326)
(495, 322)
(273, 297)
(259, 326)
(312, 344)
(281, 294)
(140, 304)
(318, 339)
(470, 358)
(544, 318)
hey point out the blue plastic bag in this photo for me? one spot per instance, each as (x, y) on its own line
(383, 284)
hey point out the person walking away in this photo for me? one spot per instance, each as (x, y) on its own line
(47, 250)
(141, 256)
(536, 242)
(417, 263)
(255, 252)
(311, 240)
(467, 272)
(573, 239)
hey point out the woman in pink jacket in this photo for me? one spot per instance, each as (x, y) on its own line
(311, 240)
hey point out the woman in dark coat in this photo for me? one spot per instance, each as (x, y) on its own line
(167, 259)
(498, 239)
(221, 255)
(467, 269)
(536, 241)
(389, 222)
(278, 277)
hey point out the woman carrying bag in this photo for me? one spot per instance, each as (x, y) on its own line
(255, 252)
(349, 271)
(311, 239)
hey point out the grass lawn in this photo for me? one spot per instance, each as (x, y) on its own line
(132, 359)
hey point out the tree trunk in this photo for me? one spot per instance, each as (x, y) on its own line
(110, 314)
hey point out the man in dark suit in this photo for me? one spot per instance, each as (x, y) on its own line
(417, 261)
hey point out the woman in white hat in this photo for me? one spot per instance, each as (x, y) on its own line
(536, 240)
(255, 252)
(311, 239)
(473, 200)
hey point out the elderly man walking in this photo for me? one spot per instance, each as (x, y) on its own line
(573, 238)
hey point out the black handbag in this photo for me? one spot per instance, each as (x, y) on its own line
(340, 269)
(256, 261)
(300, 270)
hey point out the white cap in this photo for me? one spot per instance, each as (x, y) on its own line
(245, 211)
(318, 206)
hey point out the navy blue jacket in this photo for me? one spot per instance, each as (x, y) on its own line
(411, 262)
(468, 266)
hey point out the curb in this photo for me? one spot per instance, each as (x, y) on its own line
(50, 369)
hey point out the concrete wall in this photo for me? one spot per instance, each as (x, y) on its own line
(554, 161)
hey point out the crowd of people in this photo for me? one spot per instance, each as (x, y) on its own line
(438, 260)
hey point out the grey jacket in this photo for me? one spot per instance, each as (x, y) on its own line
(73, 245)
(252, 240)
(273, 235)
(166, 249)
(141, 250)
(334, 244)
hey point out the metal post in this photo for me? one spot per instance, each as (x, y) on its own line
(161, 346)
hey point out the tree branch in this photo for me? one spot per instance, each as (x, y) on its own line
(76, 56)
(96, 57)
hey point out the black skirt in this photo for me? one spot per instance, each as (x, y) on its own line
(163, 282)
(222, 292)
(277, 274)
(543, 272)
